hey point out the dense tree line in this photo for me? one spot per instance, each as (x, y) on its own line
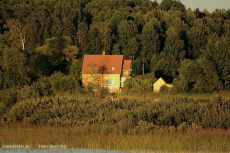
(187, 47)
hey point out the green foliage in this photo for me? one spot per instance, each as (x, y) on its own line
(189, 77)
(13, 72)
(164, 89)
(39, 65)
(8, 98)
(43, 37)
(171, 4)
(127, 114)
(174, 49)
(50, 86)
(214, 63)
(16, 34)
(38, 89)
(137, 67)
(149, 41)
(75, 70)
(143, 83)
(82, 36)
(209, 73)
(61, 82)
(127, 31)
(196, 41)
(161, 68)
(58, 50)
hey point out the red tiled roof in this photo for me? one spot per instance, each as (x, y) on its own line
(126, 65)
(104, 64)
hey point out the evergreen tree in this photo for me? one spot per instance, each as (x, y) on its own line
(127, 32)
(150, 42)
(173, 51)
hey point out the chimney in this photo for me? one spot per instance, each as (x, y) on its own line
(103, 53)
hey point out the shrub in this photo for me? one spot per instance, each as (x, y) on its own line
(126, 114)
(164, 88)
(8, 98)
(62, 82)
(140, 83)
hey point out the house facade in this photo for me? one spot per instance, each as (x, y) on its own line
(105, 71)
(159, 83)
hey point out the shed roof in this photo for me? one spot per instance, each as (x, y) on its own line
(161, 81)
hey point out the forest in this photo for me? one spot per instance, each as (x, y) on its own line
(43, 42)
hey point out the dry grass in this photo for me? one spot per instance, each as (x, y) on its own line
(91, 138)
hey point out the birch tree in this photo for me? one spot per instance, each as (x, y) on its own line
(16, 33)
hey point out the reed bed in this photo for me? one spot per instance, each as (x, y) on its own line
(90, 137)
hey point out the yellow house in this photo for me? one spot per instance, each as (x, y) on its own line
(105, 71)
(159, 83)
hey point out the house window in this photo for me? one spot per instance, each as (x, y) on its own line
(113, 68)
(109, 80)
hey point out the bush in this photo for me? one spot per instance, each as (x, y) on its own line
(164, 88)
(38, 89)
(140, 83)
(8, 98)
(126, 114)
(62, 82)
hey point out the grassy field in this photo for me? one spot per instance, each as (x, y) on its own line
(95, 137)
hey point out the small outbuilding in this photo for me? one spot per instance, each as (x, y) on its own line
(159, 83)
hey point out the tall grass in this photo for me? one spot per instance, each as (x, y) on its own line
(162, 139)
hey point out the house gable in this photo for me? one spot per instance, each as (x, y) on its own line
(159, 83)
(126, 68)
(106, 71)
